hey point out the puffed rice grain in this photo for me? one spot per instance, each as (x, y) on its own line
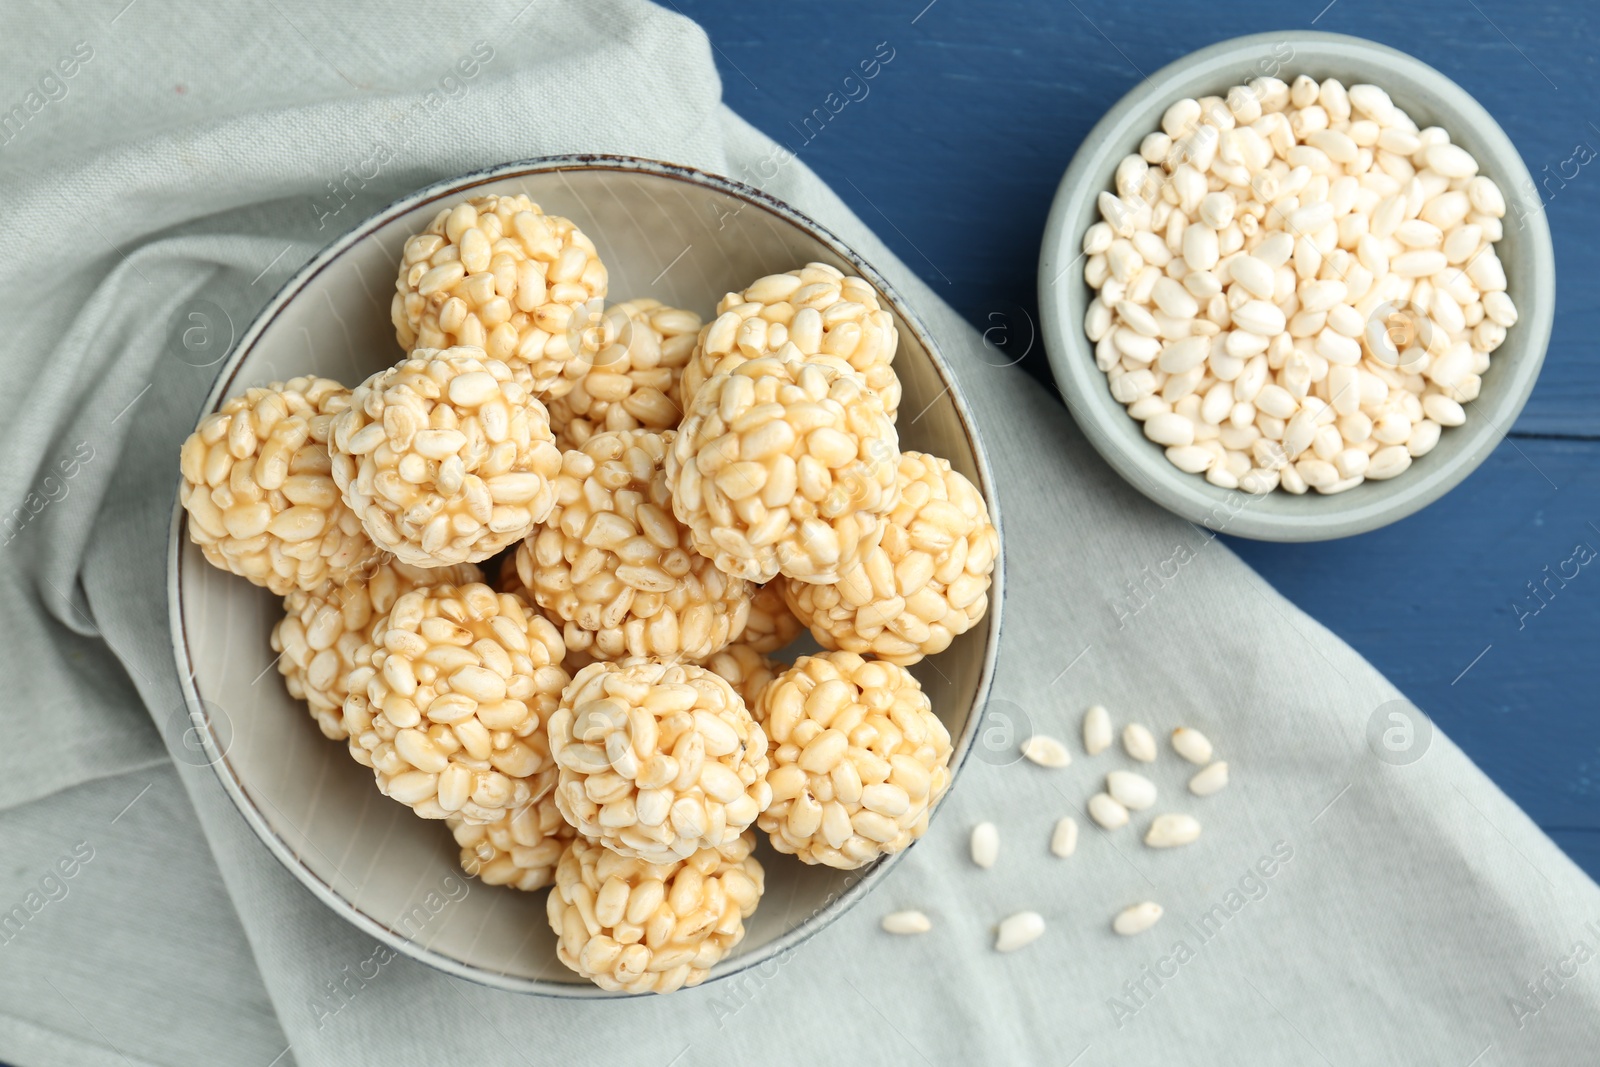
(1137, 918)
(1133, 791)
(1096, 730)
(1138, 742)
(906, 923)
(1211, 779)
(1104, 810)
(1192, 745)
(985, 844)
(1172, 829)
(1015, 931)
(1064, 838)
(1046, 751)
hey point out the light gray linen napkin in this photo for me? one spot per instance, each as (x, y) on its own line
(1361, 893)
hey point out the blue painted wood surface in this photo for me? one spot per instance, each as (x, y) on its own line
(952, 152)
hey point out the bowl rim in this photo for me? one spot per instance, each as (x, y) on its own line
(216, 750)
(1083, 386)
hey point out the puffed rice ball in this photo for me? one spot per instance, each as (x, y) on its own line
(497, 273)
(771, 624)
(505, 574)
(257, 489)
(321, 632)
(746, 668)
(445, 458)
(613, 565)
(639, 350)
(630, 925)
(859, 759)
(657, 760)
(784, 467)
(519, 849)
(816, 309)
(446, 705)
(509, 582)
(925, 583)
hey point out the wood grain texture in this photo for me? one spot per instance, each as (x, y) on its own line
(952, 152)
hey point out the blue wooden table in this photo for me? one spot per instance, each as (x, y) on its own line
(952, 153)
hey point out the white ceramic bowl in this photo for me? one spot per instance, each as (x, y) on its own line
(1429, 98)
(663, 231)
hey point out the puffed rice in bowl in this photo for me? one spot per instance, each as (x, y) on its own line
(1336, 93)
(397, 877)
(657, 760)
(784, 467)
(445, 457)
(256, 483)
(859, 759)
(811, 312)
(322, 631)
(450, 699)
(497, 273)
(520, 849)
(616, 568)
(636, 358)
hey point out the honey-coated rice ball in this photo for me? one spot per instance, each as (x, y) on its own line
(445, 458)
(448, 702)
(520, 849)
(812, 313)
(509, 582)
(497, 273)
(657, 760)
(321, 633)
(505, 575)
(926, 582)
(630, 925)
(859, 759)
(257, 487)
(745, 668)
(771, 624)
(782, 466)
(616, 568)
(636, 356)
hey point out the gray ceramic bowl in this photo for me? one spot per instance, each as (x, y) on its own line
(1431, 99)
(663, 231)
